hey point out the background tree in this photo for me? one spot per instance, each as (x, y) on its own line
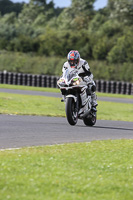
(123, 49)
(7, 6)
(78, 15)
(122, 10)
(103, 37)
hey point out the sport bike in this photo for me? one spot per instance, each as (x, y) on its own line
(77, 97)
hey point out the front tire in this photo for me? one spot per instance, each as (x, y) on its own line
(90, 120)
(71, 111)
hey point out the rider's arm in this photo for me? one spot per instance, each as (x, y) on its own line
(86, 70)
(64, 68)
(87, 75)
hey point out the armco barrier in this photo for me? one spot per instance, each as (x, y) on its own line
(28, 79)
(51, 81)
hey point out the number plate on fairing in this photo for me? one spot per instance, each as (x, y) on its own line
(83, 98)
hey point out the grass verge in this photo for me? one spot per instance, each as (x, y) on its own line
(21, 87)
(99, 170)
(49, 106)
(56, 90)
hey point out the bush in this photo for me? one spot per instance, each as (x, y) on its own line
(100, 49)
(30, 63)
(22, 44)
(123, 50)
(33, 64)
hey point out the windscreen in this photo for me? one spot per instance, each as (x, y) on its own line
(69, 74)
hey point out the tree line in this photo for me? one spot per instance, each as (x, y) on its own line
(101, 36)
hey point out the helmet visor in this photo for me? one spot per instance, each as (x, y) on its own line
(73, 63)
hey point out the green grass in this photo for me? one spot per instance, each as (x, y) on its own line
(21, 87)
(99, 170)
(49, 106)
(44, 89)
(115, 111)
(30, 105)
(114, 95)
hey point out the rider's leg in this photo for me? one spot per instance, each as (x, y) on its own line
(94, 97)
(94, 101)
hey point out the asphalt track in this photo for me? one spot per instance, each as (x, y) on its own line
(58, 95)
(20, 131)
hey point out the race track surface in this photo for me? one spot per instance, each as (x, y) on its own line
(58, 95)
(20, 131)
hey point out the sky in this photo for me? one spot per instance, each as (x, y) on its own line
(65, 3)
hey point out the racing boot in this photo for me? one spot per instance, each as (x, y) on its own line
(94, 102)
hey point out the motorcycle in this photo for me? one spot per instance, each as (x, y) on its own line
(77, 97)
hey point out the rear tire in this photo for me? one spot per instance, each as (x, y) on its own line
(90, 120)
(71, 112)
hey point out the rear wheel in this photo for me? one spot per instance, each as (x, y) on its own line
(71, 111)
(90, 120)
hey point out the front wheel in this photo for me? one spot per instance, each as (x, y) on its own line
(90, 120)
(71, 111)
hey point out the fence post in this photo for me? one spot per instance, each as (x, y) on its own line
(19, 78)
(49, 81)
(35, 80)
(102, 85)
(99, 86)
(13, 78)
(109, 87)
(52, 82)
(38, 81)
(55, 82)
(127, 87)
(122, 88)
(9, 78)
(45, 81)
(4, 76)
(96, 82)
(113, 87)
(25, 79)
(42, 81)
(117, 87)
(32, 82)
(28, 80)
(132, 89)
(22, 79)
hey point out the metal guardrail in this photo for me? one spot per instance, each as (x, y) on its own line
(115, 87)
(28, 79)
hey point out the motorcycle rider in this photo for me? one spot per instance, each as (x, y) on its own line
(74, 61)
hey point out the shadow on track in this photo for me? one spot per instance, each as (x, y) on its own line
(115, 128)
(105, 127)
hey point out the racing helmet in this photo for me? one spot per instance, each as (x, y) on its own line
(73, 58)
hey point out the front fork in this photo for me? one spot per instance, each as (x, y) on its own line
(77, 103)
(76, 100)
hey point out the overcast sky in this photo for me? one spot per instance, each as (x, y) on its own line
(60, 3)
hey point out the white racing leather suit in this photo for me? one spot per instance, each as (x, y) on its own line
(84, 71)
